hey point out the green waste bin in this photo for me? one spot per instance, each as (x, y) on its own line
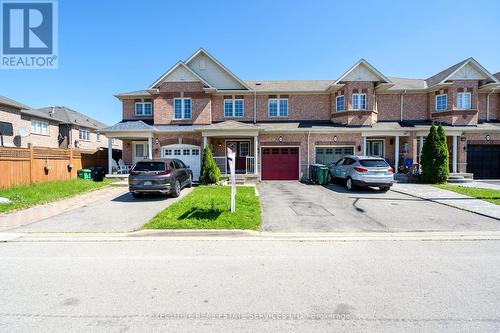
(84, 174)
(318, 174)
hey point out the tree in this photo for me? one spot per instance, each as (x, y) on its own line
(441, 168)
(428, 156)
(210, 173)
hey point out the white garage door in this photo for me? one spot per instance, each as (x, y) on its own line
(189, 154)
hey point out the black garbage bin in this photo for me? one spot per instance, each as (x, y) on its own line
(98, 174)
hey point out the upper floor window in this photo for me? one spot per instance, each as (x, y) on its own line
(143, 108)
(182, 108)
(441, 102)
(340, 103)
(464, 100)
(83, 134)
(277, 107)
(39, 127)
(233, 108)
(359, 101)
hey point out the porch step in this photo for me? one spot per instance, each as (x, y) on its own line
(461, 175)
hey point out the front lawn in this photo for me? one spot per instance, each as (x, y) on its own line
(485, 194)
(207, 207)
(25, 196)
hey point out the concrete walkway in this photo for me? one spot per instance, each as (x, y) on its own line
(449, 198)
(112, 209)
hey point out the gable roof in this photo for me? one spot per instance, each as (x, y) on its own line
(497, 75)
(230, 125)
(136, 93)
(65, 115)
(132, 125)
(363, 62)
(444, 75)
(218, 63)
(172, 69)
(10, 102)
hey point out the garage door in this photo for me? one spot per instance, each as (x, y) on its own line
(280, 163)
(484, 161)
(329, 155)
(189, 154)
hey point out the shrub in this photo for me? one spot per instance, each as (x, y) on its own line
(442, 169)
(428, 156)
(210, 173)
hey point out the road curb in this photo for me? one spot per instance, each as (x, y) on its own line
(247, 235)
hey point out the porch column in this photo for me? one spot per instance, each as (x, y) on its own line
(255, 154)
(150, 147)
(205, 142)
(396, 153)
(421, 146)
(364, 146)
(110, 155)
(455, 152)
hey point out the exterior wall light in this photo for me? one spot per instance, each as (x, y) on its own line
(487, 137)
(280, 139)
(335, 139)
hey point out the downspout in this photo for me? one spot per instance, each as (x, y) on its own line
(401, 105)
(488, 104)
(255, 107)
(308, 159)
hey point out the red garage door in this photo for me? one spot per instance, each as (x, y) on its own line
(280, 163)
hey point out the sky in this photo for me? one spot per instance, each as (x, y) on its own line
(113, 46)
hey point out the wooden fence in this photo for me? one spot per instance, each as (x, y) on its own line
(37, 164)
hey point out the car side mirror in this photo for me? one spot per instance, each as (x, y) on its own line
(187, 166)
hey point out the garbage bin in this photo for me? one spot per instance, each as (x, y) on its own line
(84, 174)
(318, 174)
(322, 172)
(98, 174)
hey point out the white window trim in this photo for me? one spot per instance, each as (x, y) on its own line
(83, 130)
(183, 111)
(233, 107)
(248, 148)
(359, 102)
(279, 115)
(143, 109)
(436, 102)
(470, 100)
(336, 103)
(41, 122)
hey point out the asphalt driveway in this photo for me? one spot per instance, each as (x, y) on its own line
(290, 206)
(116, 211)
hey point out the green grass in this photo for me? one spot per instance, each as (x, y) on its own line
(485, 194)
(207, 207)
(25, 196)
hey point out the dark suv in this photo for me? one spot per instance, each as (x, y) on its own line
(167, 176)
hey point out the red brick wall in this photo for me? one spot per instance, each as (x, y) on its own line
(388, 107)
(300, 107)
(128, 107)
(361, 87)
(218, 108)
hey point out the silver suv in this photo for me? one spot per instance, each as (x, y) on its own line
(363, 171)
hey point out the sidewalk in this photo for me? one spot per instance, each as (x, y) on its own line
(449, 198)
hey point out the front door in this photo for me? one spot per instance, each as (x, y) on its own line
(242, 150)
(140, 151)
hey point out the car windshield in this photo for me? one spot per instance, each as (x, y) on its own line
(373, 163)
(149, 166)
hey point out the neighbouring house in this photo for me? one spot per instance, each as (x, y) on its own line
(12, 122)
(278, 128)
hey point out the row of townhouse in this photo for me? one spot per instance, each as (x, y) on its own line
(278, 128)
(52, 127)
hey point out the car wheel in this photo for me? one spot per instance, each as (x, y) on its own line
(136, 194)
(176, 191)
(384, 188)
(189, 182)
(349, 184)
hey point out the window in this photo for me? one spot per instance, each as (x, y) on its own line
(464, 100)
(359, 101)
(39, 127)
(244, 148)
(233, 108)
(177, 152)
(278, 107)
(195, 152)
(441, 102)
(83, 134)
(98, 138)
(143, 108)
(186, 151)
(375, 148)
(340, 103)
(167, 152)
(182, 108)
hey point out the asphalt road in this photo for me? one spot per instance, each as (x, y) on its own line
(295, 207)
(250, 286)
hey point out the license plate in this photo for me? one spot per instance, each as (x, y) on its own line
(146, 183)
(379, 172)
